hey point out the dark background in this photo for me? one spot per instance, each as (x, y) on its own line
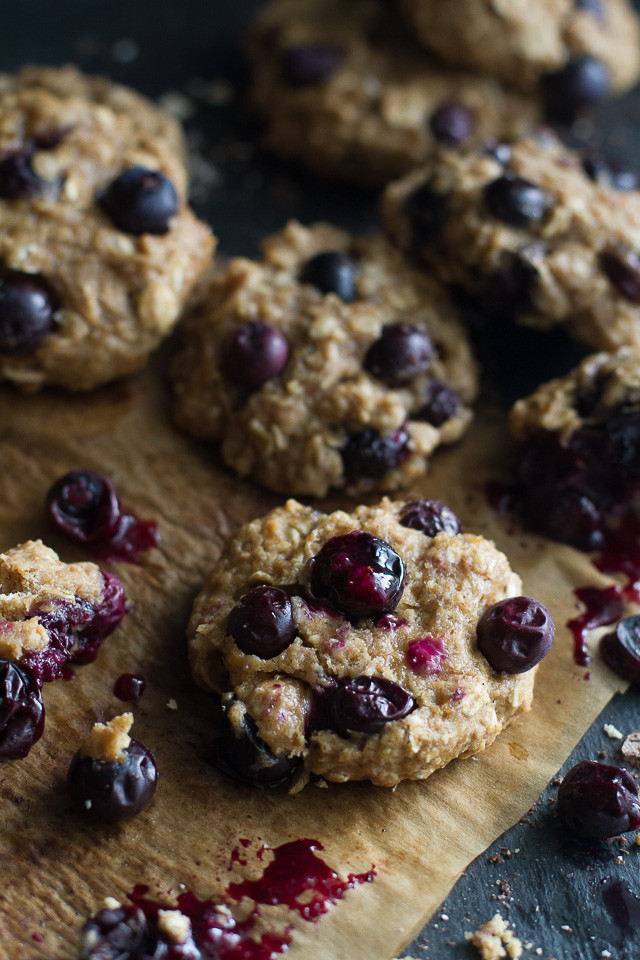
(572, 900)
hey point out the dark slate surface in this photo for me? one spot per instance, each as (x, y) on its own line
(572, 900)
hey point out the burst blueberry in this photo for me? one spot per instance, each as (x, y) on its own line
(21, 711)
(84, 505)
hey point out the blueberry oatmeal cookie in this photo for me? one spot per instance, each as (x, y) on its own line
(331, 362)
(345, 89)
(98, 249)
(533, 231)
(375, 645)
(579, 49)
(580, 448)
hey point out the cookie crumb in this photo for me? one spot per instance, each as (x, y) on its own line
(172, 704)
(630, 749)
(612, 732)
(108, 742)
(174, 925)
(495, 940)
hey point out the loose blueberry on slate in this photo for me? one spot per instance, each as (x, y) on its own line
(141, 201)
(599, 800)
(623, 270)
(515, 634)
(254, 353)
(609, 173)
(26, 312)
(106, 792)
(118, 934)
(452, 123)
(367, 704)
(577, 87)
(430, 517)
(441, 402)
(361, 575)
(248, 759)
(369, 454)
(516, 201)
(400, 353)
(331, 272)
(427, 212)
(84, 505)
(17, 179)
(104, 621)
(21, 711)
(308, 64)
(261, 623)
(620, 649)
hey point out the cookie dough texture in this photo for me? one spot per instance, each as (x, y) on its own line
(518, 41)
(450, 581)
(288, 435)
(117, 295)
(108, 742)
(565, 264)
(368, 121)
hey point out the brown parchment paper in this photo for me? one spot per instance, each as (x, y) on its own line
(55, 871)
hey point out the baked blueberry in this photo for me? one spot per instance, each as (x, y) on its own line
(361, 575)
(578, 86)
(129, 686)
(103, 621)
(517, 201)
(248, 759)
(261, 623)
(141, 201)
(623, 270)
(441, 402)
(21, 711)
(370, 454)
(26, 312)
(331, 272)
(17, 178)
(401, 352)
(427, 212)
(430, 517)
(307, 64)
(368, 704)
(452, 123)
(254, 353)
(84, 505)
(118, 933)
(515, 634)
(599, 800)
(620, 649)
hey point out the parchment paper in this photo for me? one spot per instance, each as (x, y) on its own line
(419, 837)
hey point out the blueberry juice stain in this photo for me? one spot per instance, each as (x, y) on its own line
(622, 906)
(602, 607)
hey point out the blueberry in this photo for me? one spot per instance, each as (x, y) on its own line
(430, 517)
(452, 123)
(103, 622)
(622, 442)
(623, 271)
(84, 505)
(248, 759)
(507, 292)
(400, 353)
(306, 65)
(620, 649)
(26, 312)
(515, 634)
(427, 212)
(564, 512)
(609, 173)
(105, 792)
(17, 179)
(578, 86)
(116, 934)
(369, 454)
(598, 800)
(361, 575)
(254, 353)
(367, 704)
(261, 623)
(516, 201)
(441, 402)
(21, 711)
(141, 201)
(331, 272)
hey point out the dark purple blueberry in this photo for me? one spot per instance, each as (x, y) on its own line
(85, 506)
(21, 711)
(400, 353)
(248, 759)
(106, 792)
(103, 622)
(430, 517)
(254, 353)
(620, 649)
(26, 312)
(141, 201)
(516, 201)
(261, 623)
(427, 212)
(17, 179)
(369, 454)
(441, 402)
(564, 512)
(609, 173)
(515, 634)
(452, 123)
(310, 63)
(598, 800)
(594, 7)
(623, 271)
(507, 292)
(368, 704)
(361, 575)
(129, 686)
(331, 272)
(577, 87)
(115, 934)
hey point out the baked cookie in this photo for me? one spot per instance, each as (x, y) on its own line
(344, 89)
(580, 448)
(580, 49)
(98, 249)
(350, 643)
(331, 362)
(533, 231)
